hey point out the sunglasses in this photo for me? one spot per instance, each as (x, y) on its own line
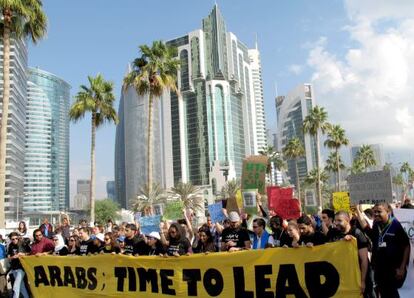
(71, 240)
(107, 239)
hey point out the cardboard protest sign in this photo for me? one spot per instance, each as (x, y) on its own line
(216, 212)
(254, 173)
(341, 201)
(329, 270)
(239, 199)
(250, 201)
(149, 224)
(406, 218)
(174, 210)
(276, 193)
(370, 188)
(288, 208)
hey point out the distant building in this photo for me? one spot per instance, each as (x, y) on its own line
(110, 190)
(84, 187)
(291, 110)
(80, 202)
(378, 155)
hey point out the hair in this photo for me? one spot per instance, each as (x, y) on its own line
(12, 234)
(304, 219)
(181, 221)
(85, 229)
(180, 233)
(260, 221)
(293, 224)
(276, 220)
(131, 227)
(58, 230)
(109, 221)
(100, 228)
(386, 206)
(77, 241)
(343, 213)
(24, 227)
(330, 213)
(369, 212)
(207, 231)
(111, 236)
(115, 228)
(35, 231)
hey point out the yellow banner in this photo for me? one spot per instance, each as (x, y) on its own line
(329, 270)
(341, 201)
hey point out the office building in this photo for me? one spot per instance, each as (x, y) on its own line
(291, 110)
(83, 187)
(46, 169)
(110, 190)
(15, 148)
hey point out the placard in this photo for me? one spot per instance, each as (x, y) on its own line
(216, 212)
(341, 201)
(254, 173)
(370, 188)
(149, 224)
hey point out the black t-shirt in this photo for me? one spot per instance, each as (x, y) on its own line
(87, 247)
(316, 238)
(281, 238)
(13, 250)
(238, 235)
(110, 249)
(62, 252)
(134, 246)
(362, 240)
(180, 246)
(159, 249)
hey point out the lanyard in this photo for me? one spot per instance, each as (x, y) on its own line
(383, 232)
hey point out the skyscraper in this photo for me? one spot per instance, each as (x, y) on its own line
(110, 190)
(47, 143)
(15, 148)
(209, 128)
(83, 186)
(291, 110)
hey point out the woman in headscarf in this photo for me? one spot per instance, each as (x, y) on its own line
(60, 247)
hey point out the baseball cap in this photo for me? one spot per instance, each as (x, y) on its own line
(234, 216)
(155, 235)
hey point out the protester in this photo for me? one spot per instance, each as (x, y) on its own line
(109, 225)
(46, 228)
(205, 242)
(327, 216)
(155, 247)
(41, 245)
(65, 227)
(215, 230)
(60, 248)
(294, 235)
(177, 244)
(134, 244)
(74, 245)
(3, 270)
(390, 249)
(308, 235)
(343, 230)
(110, 245)
(235, 237)
(22, 230)
(87, 246)
(121, 243)
(280, 235)
(261, 238)
(16, 250)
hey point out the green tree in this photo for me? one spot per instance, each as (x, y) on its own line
(333, 163)
(335, 140)
(387, 166)
(153, 73)
(366, 157)
(190, 195)
(293, 151)
(407, 173)
(106, 209)
(357, 166)
(275, 161)
(314, 124)
(98, 100)
(21, 19)
(312, 177)
(399, 183)
(146, 197)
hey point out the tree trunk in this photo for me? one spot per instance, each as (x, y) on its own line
(318, 174)
(337, 171)
(149, 145)
(93, 171)
(4, 120)
(298, 185)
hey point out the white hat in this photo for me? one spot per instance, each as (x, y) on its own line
(155, 235)
(234, 216)
(100, 236)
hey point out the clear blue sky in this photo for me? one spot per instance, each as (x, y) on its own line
(329, 43)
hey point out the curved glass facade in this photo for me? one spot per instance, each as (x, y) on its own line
(46, 168)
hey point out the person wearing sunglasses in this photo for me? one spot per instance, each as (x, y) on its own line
(60, 248)
(110, 246)
(73, 245)
(16, 250)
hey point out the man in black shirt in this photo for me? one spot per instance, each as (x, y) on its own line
(280, 235)
(86, 245)
(134, 244)
(15, 250)
(343, 230)
(327, 216)
(308, 235)
(235, 237)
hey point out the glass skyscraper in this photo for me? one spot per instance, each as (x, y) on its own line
(46, 169)
(15, 148)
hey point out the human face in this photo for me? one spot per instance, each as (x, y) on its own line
(21, 225)
(83, 235)
(203, 237)
(38, 236)
(14, 239)
(380, 214)
(293, 232)
(209, 222)
(305, 229)
(55, 241)
(172, 232)
(129, 233)
(107, 239)
(72, 241)
(326, 219)
(234, 224)
(257, 229)
(341, 223)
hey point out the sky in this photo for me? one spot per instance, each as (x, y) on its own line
(357, 54)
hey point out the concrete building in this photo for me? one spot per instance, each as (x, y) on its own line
(291, 110)
(110, 190)
(46, 168)
(83, 186)
(15, 148)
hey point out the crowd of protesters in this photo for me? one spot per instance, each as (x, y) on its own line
(383, 246)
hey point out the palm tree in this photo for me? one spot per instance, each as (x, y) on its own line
(336, 139)
(146, 198)
(275, 161)
(293, 151)
(312, 179)
(20, 19)
(406, 171)
(190, 195)
(314, 123)
(154, 73)
(229, 193)
(97, 99)
(366, 156)
(399, 182)
(357, 166)
(334, 162)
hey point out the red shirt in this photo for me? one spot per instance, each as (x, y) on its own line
(44, 245)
